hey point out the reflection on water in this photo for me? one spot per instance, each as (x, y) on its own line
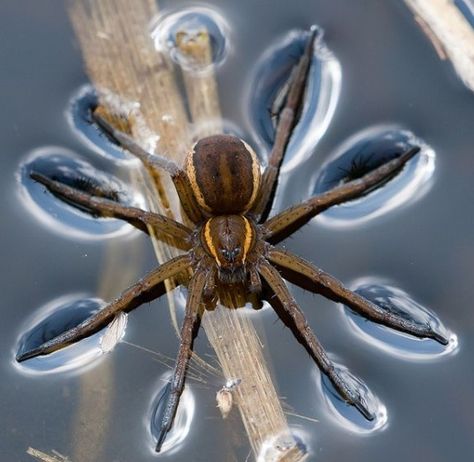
(399, 302)
(348, 416)
(183, 419)
(53, 319)
(366, 151)
(186, 26)
(63, 165)
(78, 114)
(275, 448)
(381, 70)
(267, 87)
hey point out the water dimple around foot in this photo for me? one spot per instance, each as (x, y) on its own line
(65, 166)
(397, 301)
(182, 421)
(364, 152)
(49, 321)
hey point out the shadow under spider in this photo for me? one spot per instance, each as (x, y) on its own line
(227, 198)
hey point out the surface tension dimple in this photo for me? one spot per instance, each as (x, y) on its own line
(364, 152)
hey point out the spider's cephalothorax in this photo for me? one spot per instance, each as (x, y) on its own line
(227, 199)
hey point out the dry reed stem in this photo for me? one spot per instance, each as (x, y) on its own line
(121, 60)
(258, 402)
(450, 32)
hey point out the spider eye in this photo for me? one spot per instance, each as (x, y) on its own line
(230, 255)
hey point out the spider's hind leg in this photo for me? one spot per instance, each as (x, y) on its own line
(127, 301)
(335, 290)
(346, 389)
(188, 332)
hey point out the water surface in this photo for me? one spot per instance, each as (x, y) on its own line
(391, 75)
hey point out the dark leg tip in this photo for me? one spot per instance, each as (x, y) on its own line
(38, 177)
(105, 127)
(26, 355)
(362, 408)
(406, 156)
(314, 31)
(161, 439)
(440, 338)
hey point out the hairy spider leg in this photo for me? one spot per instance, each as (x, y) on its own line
(188, 332)
(103, 207)
(335, 290)
(311, 343)
(290, 220)
(125, 302)
(286, 123)
(154, 163)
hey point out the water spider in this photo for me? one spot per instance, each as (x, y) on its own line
(227, 196)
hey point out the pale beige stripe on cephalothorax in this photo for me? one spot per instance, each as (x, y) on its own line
(256, 175)
(191, 172)
(248, 238)
(209, 243)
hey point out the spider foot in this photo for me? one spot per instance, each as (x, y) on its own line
(56, 343)
(106, 128)
(440, 338)
(351, 390)
(166, 413)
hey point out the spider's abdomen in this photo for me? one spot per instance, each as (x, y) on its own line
(225, 174)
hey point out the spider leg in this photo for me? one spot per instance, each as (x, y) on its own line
(287, 222)
(255, 283)
(287, 121)
(336, 291)
(127, 301)
(311, 343)
(188, 332)
(154, 163)
(103, 207)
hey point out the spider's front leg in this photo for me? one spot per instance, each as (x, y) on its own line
(127, 301)
(155, 163)
(336, 291)
(344, 388)
(290, 220)
(287, 121)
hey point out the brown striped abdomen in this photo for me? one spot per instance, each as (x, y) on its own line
(224, 173)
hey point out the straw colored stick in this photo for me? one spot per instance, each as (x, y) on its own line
(240, 354)
(451, 33)
(126, 69)
(44, 457)
(201, 86)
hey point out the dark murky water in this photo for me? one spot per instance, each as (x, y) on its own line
(407, 246)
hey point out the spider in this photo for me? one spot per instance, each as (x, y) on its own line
(227, 197)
